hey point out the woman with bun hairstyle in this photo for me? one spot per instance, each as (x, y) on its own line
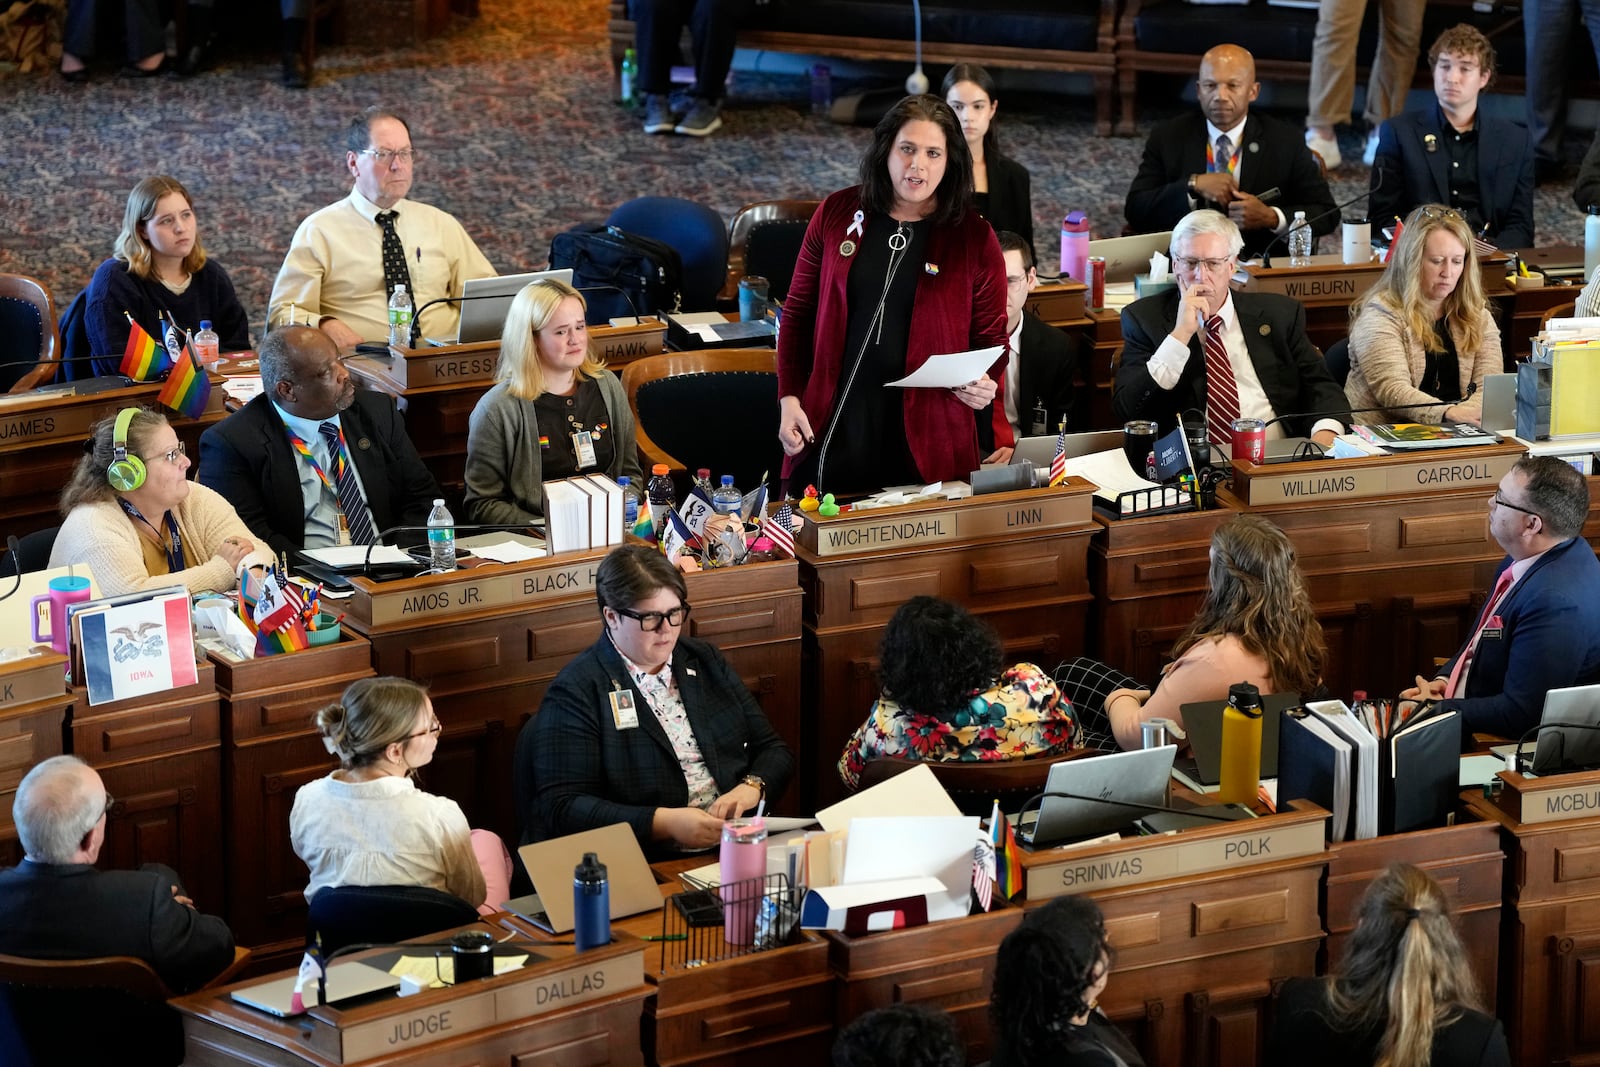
(368, 824)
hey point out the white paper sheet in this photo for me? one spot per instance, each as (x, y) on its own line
(951, 369)
(507, 551)
(345, 557)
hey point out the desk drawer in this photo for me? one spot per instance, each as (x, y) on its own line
(181, 720)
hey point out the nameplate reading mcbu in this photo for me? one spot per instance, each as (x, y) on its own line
(996, 517)
(1560, 803)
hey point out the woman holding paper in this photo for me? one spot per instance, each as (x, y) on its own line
(1423, 334)
(554, 411)
(132, 515)
(891, 272)
(647, 726)
(1403, 995)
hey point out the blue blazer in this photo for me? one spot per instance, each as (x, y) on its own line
(1411, 175)
(1550, 639)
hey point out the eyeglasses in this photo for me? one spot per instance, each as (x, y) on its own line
(171, 455)
(385, 156)
(650, 621)
(105, 811)
(1186, 264)
(1439, 213)
(1498, 501)
(435, 729)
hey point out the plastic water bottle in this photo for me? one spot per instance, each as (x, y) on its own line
(821, 90)
(441, 538)
(1075, 246)
(591, 904)
(1299, 241)
(727, 500)
(630, 78)
(663, 497)
(630, 502)
(207, 345)
(1591, 241)
(400, 317)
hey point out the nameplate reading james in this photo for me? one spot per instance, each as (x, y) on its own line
(876, 530)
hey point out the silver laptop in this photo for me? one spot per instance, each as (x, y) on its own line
(485, 301)
(1560, 749)
(1041, 450)
(346, 980)
(1500, 403)
(1138, 779)
(1127, 256)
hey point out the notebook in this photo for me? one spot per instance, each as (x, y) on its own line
(346, 980)
(1137, 779)
(1203, 722)
(550, 864)
(485, 301)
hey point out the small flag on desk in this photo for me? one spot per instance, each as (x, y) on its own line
(983, 863)
(779, 528)
(279, 616)
(1394, 240)
(644, 527)
(1058, 462)
(142, 359)
(187, 390)
(1008, 864)
(311, 973)
(1482, 247)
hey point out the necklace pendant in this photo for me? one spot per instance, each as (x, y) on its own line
(898, 241)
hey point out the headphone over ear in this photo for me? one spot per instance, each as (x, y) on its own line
(126, 473)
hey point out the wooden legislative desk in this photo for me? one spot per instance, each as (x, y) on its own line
(34, 703)
(1017, 560)
(41, 441)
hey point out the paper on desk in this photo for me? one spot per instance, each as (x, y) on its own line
(436, 972)
(702, 324)
(913, 792)
(1112, 476)
(882, 850)
(507, 551)
(343, 557)
(243, 388)
(1480, 770)
(951, 369)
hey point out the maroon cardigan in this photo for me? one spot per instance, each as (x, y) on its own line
(961, 307)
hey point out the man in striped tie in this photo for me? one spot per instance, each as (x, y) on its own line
(1208, 352)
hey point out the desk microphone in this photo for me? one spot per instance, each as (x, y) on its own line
(15, 547)
(1343, 416)
(1561, 742)
(1266, 253)
(481, 527)
(416, 319)
(113, 361)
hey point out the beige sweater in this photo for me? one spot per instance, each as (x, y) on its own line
(1386, 363)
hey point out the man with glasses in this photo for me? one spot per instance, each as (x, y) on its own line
(1253, 168)
(58, 905)
(1451, 154)
(1206, 352)
(346, 259)
(1540, 628)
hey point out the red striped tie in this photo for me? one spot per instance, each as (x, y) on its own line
(1222, 392)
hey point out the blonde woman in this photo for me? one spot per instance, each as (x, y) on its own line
(554, 411)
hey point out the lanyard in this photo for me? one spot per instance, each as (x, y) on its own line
(305, 451)
(174, 545)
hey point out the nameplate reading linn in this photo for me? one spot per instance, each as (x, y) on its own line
(530, 585)
(874, 530)
(1173, 856)
(1561, 803)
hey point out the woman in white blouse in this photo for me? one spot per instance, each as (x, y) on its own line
(368, 824)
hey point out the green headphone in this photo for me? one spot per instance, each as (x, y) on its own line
(126, 472)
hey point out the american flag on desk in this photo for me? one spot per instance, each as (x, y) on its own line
(1058, 463)
(779, 527)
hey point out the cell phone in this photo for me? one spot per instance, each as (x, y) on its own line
(699, 907)
(372, 348)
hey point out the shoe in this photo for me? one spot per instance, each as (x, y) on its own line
(133, 70)
(657, 114)
(198, 56)
(75, 77)
(1325, 147)
(1370, 153)
(704, 118)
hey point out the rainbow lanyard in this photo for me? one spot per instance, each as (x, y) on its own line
(174, 544)
(1211, 159)
(338, 459)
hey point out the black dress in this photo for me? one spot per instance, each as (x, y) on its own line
(1303, 1035)
(1008, 205)
(1097, 1043)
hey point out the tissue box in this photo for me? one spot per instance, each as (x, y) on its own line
(1143, 286)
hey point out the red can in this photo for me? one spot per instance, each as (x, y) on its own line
(1250, 440)
(1097, 282)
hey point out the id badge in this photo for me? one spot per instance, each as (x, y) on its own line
(344, 531)
(623, 713)
(583, 448)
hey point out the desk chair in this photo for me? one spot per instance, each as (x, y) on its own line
(976, 786)
(1337, 360)
(383, 914)
(33, 553)
(1560, 311)
(693, 230)
(716, 408)
(27, 333)
(765, 240)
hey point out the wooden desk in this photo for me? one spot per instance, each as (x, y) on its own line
(33, 713)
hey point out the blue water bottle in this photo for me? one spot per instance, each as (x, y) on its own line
(591, 904)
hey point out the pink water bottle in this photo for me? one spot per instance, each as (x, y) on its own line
(1075, 247)
(743, 868)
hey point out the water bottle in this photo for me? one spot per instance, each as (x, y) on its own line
(742, 869)
(727, 500)
(1075, 246)
(630, 78)
(207, 345)
(1241, 745)
(630, 502)
(1591, 241)
(821, 90)
(663, 497)
(1299, 241)
(591, 904)
(441, 538)
(400, 317)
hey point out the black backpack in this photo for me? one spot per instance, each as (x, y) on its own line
(619, 273)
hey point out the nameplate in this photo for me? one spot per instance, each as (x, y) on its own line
(1058, 302)
(1560, 803)
(557, 577)
(35, 678)
(619, 345)
(1172, 856)
(68, 418)
(1327, 280)
(879, 529)
(1293, 483)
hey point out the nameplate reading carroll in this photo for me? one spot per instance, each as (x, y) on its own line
(532, 584)
(1011, 514)
(1292, 483)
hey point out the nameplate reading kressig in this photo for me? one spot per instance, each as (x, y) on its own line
(996, 516)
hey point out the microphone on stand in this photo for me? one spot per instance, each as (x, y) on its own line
(1266, 253)
(1343, 416)
(481, 527)
(97, 382)
(15, 548)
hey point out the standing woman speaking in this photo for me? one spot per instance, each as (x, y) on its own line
(892, 271)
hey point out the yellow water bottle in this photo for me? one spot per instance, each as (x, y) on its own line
(1241, 745)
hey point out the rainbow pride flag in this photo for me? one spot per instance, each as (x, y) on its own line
(643, 527)
(142, 360)
(1007, 858)
(187, 390)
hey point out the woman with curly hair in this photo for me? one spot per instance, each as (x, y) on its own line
(1048, 979)
(1255, 625)
(938, 667)
(1403, 996)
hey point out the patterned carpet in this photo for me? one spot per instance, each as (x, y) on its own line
(514, 112)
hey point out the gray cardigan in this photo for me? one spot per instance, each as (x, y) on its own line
(504, 466)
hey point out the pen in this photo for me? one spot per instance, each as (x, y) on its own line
(665, 937)
(1267, 196)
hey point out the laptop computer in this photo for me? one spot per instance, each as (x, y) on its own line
(1560, 749)
(550, 864)
(1204, 723)
(1499, 403)
(485, 301)
(347, 980)
(1127, 256)
(1138, 779)
(1039, 451)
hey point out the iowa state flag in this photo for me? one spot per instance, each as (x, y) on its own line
(143, 360)
(187, 390)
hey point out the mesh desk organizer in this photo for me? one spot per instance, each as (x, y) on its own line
(759, 914)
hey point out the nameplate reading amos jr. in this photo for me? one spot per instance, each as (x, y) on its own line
(1009, 515)
(1171, 857)
(1293, 483)
(531, 584)
(1561, 803)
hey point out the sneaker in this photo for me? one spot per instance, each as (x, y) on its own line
(657, 114)
(704, 118)
(1370, 153)
(1325, 147)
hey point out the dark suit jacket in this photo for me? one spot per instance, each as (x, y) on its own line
(1010, 198)
(1412, 175)
(575, 771)
(1275, 156)
(75, 911)
(1291, 370)
(1049, 363)
(1586, 190)
(1550, 640)
(248, 459)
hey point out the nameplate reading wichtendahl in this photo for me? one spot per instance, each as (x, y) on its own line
(1009, 515)
(527, 584)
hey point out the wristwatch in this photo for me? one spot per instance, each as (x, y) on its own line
(756, 782)
(1192, 177)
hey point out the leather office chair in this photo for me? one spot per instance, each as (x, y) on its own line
(715, 408)
(976, 786)
(383, 914)
(110, 1009)
(765, 240)
(695, 231)
(1560, 311)
(27, 333)
(1337, 360)
(33, 553)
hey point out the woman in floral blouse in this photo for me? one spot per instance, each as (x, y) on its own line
(941, 701)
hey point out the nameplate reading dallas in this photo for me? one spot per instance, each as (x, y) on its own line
(1010, 515)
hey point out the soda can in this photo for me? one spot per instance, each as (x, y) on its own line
(1097, 282)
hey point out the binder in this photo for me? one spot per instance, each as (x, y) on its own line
(1314, 763)
(1364, 769)
(1420, 768)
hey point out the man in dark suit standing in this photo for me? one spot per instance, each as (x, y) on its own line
(1205, 348)
(1451, 154)
(1227, 158)
(313, 461)
(1036, 392)
(58, 905)
(1540, 628)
